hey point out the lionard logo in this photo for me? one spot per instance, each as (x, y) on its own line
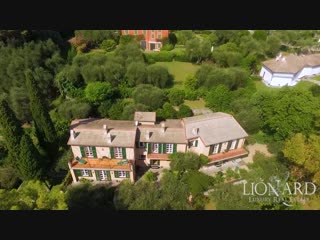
(279, 190)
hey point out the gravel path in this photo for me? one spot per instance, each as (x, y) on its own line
(253, 149)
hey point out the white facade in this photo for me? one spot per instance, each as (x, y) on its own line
(286, 79)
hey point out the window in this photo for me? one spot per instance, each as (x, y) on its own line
(142, 157)
(103, 175)
(152, 31)
(159, 45)
(85, 173)
(126, 32)
(135, 32)
(159, 36)
(169, 148)
(88, 151)
(142, 145)
(118, 152)
(155, 147)
(233, 144)
(144, 32)
(215, 148)
(122, 174)
(152, 35)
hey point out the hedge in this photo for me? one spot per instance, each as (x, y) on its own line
(167, 56)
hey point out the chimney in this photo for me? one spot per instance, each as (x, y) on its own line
(105, 128)
(148, 134)
(109, 138)
(72, 134)
(136, 123)
(163, 127)
(195, 131)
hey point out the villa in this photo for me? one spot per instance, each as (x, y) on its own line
(288, 70)
(111, 150)
(152, 38)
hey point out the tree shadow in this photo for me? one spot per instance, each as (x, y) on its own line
(86, 195)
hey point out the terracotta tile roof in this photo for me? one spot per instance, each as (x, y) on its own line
(101, 163)
(292, 63)
(227, 155)
(158, 156)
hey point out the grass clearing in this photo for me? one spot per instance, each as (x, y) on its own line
(210, 206)
(196, 104)
(316, 78)
(312, 204)
(180, 70)
(261, 87)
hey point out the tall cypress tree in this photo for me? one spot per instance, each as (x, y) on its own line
(30, 166)
(11, 131)
(43, 124)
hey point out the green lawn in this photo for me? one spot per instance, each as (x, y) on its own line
(180, 70)
(312, 204)
(316, 78)
(195, 104)
(210, 206)
(301, 85)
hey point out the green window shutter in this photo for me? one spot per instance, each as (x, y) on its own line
(90, 173)
(127, 174)
(116, 174)
(108, 176)
(149, 147)
(94, 151)
(174, 148)
(160, 148)
(124, 154)
(77, 173)
(83, 154)
(211, 149)
(111, 152)
(219, 149)
(238, 140)
(196, 143)
(97, 175)
(229, 145)
(164, 148)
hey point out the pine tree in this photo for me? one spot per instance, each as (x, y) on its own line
(11, 131)
(30, 166)
(44, 127)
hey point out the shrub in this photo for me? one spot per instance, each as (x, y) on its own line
(184, 111)
(176, 96)
(9, 178)
(108, 45)
(150, 176)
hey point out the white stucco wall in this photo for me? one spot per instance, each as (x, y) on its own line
(307, 71)
(266, 74)
(315, 70)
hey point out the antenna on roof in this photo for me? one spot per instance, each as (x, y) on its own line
(163, 127)
(279, 56)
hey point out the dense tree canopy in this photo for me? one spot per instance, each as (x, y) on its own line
(43, 58)
(286, 112)
(30, 162)
(11, 131)
(45, 130)
(148, 95)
